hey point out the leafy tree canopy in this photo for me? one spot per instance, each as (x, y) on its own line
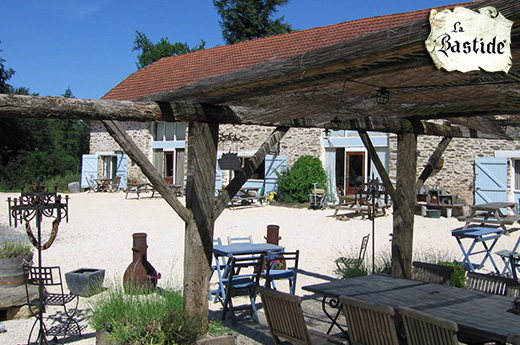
(152, 52)
(244, 20)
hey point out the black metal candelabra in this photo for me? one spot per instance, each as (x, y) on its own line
(36, 203)
(375, 190)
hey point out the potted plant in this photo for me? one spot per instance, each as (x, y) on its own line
(13, 254)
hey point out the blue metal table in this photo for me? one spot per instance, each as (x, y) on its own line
(479, 234)
(237, 249)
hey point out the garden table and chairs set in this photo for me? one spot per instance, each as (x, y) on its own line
(239, 266)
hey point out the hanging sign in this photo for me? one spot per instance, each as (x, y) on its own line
(465, 40)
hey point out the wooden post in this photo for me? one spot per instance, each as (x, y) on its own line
(404, 205)
(200, 200)
(377, 162)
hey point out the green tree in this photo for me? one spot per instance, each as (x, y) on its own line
(5, 75)
(244, 20)
(152, 52)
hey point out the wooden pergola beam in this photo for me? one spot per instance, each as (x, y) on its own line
(132, 150)
(432, 162)
(21, 106)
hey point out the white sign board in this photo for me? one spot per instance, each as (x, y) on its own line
(465, 40)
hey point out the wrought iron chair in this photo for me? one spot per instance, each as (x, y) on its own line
(493, 284)
(51, 281)
(369, 323)
(238, 240)
(285, 320)
(344, 263)
(431, 273)
(281, 266)
(422, 328)
(238, 283)
(114, 184)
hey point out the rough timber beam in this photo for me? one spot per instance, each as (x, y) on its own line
(21, 106)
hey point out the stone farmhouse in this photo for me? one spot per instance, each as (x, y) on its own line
(476, 170)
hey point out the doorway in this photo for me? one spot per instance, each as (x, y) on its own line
(354, 171)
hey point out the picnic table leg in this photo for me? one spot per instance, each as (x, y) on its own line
(334, 303)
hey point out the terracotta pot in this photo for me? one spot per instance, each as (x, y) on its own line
(103, 338)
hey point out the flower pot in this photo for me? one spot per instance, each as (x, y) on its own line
(11, 271)
(85, 282)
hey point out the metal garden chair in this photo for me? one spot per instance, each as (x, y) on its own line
(242, 278)
(344, 262)
(238, 240)
(281, 266)
(53, 295)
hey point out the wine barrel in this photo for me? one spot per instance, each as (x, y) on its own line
(11, 271)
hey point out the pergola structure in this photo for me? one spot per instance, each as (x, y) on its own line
(331, 87)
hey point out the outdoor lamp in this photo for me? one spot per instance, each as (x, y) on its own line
(382, 96)
(326, 133)
(335, 124)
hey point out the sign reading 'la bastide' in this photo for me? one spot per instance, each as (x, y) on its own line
(465, 40)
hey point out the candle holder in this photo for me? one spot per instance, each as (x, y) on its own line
(36, 203)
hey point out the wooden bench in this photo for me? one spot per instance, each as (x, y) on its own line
(138, 188)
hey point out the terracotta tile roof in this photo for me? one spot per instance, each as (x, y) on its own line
(175, 71)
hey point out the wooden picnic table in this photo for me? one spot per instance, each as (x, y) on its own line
(245, 196)
(103, 184)
(493, 213)
(138, 188)
(478, 314)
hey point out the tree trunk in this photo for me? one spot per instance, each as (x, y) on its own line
(200, 200)
(404, 205)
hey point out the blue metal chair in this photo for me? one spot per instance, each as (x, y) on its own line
(214, 293)
(241, 279)
(238, 240)
(281, 266)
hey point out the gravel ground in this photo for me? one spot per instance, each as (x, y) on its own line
(100, 228)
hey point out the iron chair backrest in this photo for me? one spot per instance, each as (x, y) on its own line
(238, 240)
(282, 266)
(493, 284)
(346, 262)
(50, 276)
(369, 323)
(431, 273)
(422, 328)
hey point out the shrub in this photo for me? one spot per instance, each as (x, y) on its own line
(14, 250)
(137, 318)
(296, 183)
(458, 277)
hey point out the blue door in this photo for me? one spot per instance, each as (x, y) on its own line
(122, 169)
(89, 169)
(490, 180)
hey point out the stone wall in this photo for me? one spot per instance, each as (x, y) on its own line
(457, 174)
(296, 143)
(102, 142)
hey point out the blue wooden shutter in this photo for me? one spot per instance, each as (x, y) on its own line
(273, 164)
(490, 180)
(122, 169)
(89, 169)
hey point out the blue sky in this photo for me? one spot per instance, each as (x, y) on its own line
(87, 45)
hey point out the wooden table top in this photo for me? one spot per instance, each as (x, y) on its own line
(476, 313)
